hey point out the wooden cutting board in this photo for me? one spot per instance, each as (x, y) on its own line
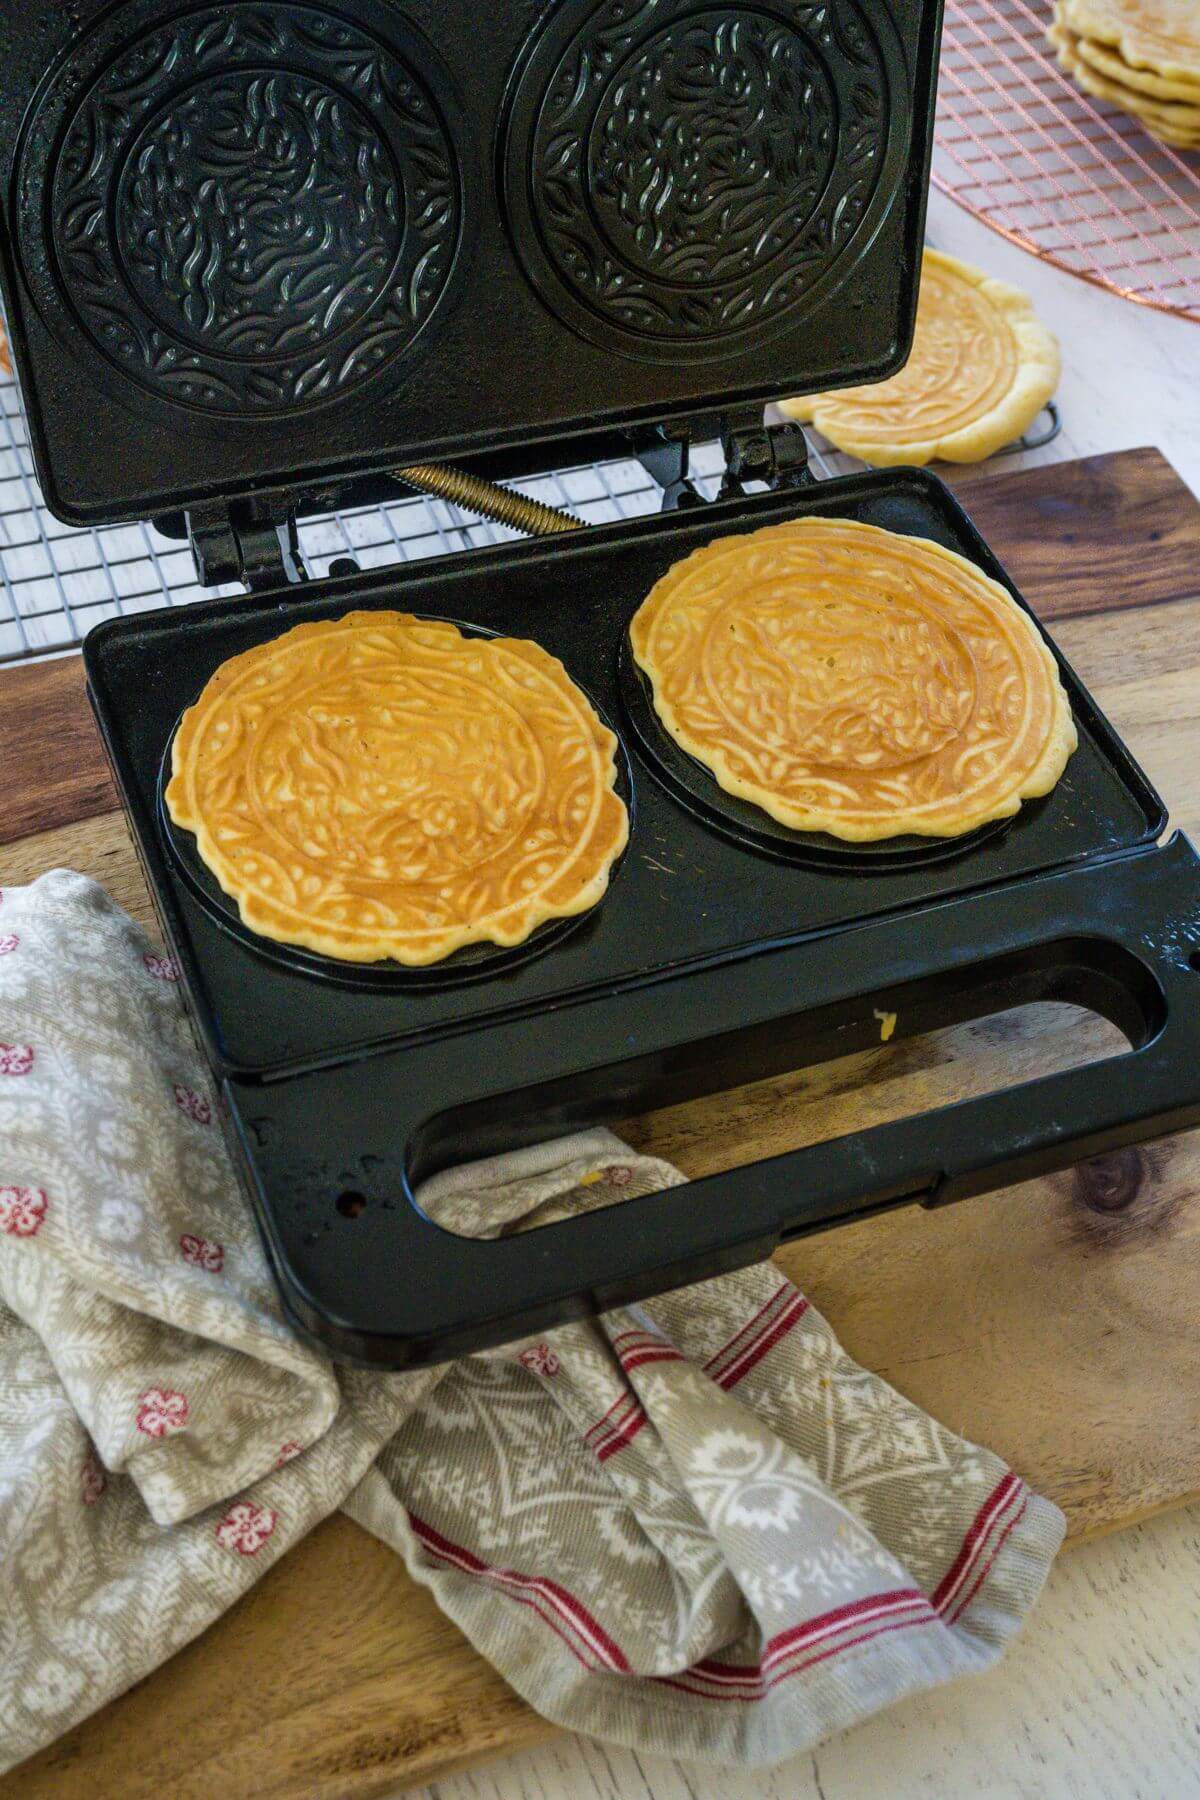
(1056, 1322)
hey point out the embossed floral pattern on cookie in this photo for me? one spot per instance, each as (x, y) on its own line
(855, 681)
(384, 786)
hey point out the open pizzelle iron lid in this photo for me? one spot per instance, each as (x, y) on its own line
(273, 247)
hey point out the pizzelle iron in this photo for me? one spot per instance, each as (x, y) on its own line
(266, 258)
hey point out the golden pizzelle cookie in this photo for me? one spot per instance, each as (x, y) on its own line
(1106, 60)
(981, 369)
(1169, 123)
(850, 680)
(1160, 35)
(1176, 121)
(382, 786)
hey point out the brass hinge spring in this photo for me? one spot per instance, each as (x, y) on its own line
(488, 499)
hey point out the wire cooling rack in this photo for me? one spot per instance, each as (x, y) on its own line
(1075, 180)
(56, 582)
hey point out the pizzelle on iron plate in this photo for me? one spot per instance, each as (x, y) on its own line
(382, 786)
(853, 681)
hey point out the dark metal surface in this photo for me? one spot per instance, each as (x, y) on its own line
(388, 1287)
(679, 180)
(679, 942)
(686, 892)
(276, 244)
(246, 209)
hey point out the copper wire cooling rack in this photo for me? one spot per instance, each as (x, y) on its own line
(1076, 181)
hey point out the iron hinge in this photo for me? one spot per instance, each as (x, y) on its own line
(775, 454)
(665, 452)
(253, 541)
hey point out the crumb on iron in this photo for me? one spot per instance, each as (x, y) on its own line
(887, 1024)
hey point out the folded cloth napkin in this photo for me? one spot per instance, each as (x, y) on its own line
(693, 1526)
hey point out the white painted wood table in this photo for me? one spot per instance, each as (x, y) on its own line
(1100, 1698)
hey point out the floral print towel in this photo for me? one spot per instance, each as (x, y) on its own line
(693, 1526)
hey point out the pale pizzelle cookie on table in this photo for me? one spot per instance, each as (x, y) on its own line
(854, 681)
(982, 367)
(382, 786)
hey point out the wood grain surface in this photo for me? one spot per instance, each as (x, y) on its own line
(1096, 534)
(52, 764)
(1056, 1321)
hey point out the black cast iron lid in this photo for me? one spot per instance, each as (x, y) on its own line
(268, 245)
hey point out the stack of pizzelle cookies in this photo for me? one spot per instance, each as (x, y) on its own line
(1142, 55)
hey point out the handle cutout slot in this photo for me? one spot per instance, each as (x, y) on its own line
(815, 1077)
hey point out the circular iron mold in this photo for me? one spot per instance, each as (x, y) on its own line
(471, 964)
(681, 180)
(689, 782)
(246, 209)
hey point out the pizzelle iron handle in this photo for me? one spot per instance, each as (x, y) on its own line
(389, 1287)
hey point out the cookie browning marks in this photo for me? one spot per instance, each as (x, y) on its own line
(382, 786)
(855, 681)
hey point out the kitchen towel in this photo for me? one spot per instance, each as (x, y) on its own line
(693, 1526)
